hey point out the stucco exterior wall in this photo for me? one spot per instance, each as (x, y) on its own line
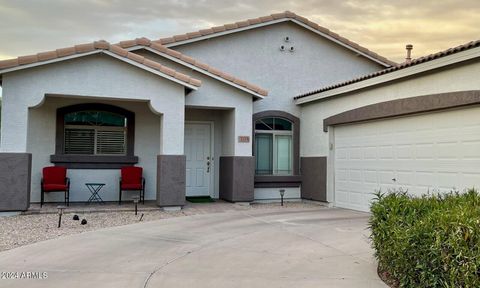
(315, 142)
(41, 144)
(218, 95)
(96, 76)
(255, 56)
(28, 118)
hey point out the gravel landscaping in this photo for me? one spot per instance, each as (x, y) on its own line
(42, 225)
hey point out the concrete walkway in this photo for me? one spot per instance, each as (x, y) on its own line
(321, 247)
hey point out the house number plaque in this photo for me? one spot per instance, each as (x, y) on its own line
(243, 139)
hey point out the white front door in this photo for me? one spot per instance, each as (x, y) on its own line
(435, 152)
(199, 159)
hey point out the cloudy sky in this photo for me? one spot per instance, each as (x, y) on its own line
(383, 26)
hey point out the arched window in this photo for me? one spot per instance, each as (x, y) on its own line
(273, 146)
(95, 132)
(94, 135)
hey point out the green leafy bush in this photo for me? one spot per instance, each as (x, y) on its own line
(432, 241)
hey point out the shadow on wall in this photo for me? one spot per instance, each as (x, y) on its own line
(0, 112)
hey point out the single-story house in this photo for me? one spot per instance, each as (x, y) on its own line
(226, 112)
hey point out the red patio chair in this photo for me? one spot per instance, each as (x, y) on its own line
(132, 180)
(55, 180)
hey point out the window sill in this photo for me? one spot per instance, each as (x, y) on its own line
(93, 161)
(271, 181)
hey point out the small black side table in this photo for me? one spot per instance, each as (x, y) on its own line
(94, 188)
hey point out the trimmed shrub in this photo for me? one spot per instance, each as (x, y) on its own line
(431, 241)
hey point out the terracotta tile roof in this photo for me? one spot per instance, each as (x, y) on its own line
(270, 18)
(450, 51)
(173, 53)
(97, 45)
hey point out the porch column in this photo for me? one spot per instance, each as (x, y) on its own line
(237, 178)
(237, 172)
(171, 163)
(15, 163)
(14, 125)
(15, 177)
(314, 178)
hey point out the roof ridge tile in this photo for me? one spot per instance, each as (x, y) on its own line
(269, 18)
(28, 59)
(64, 52)
(45, 56)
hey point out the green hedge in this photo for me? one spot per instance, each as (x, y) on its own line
(432, 241)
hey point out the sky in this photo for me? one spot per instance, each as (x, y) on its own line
(28, 27)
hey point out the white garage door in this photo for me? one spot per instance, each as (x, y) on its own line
(430, 152)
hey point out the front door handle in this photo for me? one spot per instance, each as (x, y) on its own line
(208, 166)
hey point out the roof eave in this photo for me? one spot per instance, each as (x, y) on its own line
(151, 70)
(393, 76)
(254, 26)
(193, 67)
(40, 63)
(107, 52)
(383, 63)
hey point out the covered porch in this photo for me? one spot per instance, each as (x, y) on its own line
(81, 135)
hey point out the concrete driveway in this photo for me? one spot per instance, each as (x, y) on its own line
(321, 247)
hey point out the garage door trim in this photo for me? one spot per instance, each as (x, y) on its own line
(405, 106)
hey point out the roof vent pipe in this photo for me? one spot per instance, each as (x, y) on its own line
(409, 48)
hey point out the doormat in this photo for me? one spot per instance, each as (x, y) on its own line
(200, 199)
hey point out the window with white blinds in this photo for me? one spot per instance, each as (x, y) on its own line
(95, 133)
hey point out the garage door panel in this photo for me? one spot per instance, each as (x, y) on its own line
(370, 176)
(385, 177)
(341, 153)
(341, 175)
(385, 152)
(446, 151)
(470, 150)
(370, 153)
(447, 180)
(355, 175)
(425, 153)
(469, 180)
(405, 178)
(404, 151)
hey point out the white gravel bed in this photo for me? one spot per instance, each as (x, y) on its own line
(19, 230)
